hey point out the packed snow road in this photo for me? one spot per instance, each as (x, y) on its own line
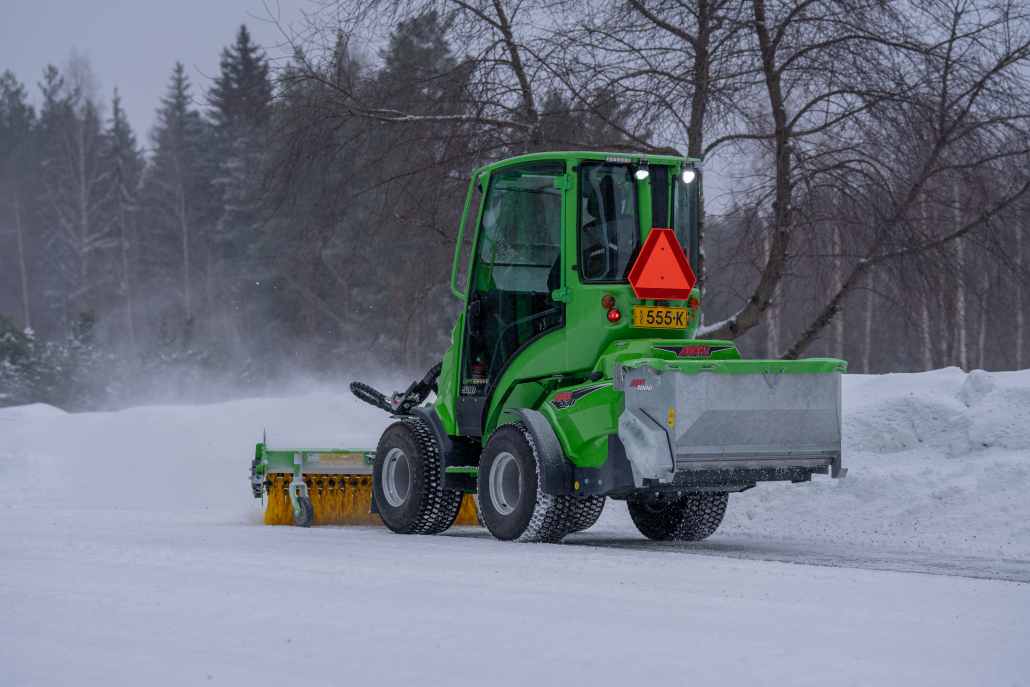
(131, 553)
(179, 598)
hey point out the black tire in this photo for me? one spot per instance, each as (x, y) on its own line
(585, 512)
(509, 462)
(307, 512)
(406, 481)
(691, 518)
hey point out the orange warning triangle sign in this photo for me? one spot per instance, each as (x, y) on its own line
(661, 269)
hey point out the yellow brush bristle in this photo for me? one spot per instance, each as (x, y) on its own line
(278, 511)
(467, 514)
(340, 500)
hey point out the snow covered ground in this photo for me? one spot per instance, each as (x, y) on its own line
(131, 553)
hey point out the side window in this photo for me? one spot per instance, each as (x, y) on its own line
(521, 232)
(609, 225)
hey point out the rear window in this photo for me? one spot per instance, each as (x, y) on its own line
(609, 224)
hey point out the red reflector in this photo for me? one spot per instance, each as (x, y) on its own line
(614, 315)
(661, 270)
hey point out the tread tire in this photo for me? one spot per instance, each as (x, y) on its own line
(692, 518)
(428, 508)
(307, 512)
(585, 512)
(540, 517)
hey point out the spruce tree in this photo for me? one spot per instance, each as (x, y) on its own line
(123, 162)
(241, 97)
(182, 207)
(19, 170)
(241, 102)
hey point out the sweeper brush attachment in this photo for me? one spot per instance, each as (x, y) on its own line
(336, 499)
(337, 482)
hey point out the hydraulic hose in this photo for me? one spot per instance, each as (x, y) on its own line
(370, 396)
(430, 380)
(416, 393)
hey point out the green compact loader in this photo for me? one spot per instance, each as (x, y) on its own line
(574, 376)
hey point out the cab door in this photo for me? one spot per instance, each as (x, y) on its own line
(516, 266)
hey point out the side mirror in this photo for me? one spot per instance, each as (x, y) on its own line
(472, 317)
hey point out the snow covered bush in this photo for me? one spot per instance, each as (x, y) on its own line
(36, 371)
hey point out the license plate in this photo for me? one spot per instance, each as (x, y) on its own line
(653, 317)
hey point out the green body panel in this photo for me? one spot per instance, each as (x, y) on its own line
(583, 429)
(528, 395)
(724, 361)
(449, 378)
(338, 461)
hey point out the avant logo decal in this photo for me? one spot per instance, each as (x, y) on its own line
(696, 351)
(566, 399)
(641, 385)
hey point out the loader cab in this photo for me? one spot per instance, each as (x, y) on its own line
(551, 226)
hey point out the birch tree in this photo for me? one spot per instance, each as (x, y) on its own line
(78, 238)
(960, 113)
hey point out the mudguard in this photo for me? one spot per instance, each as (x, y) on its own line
(454, 451)
(557, 473)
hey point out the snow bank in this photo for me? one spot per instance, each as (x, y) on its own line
(162, 457)
(16, 413)
(938, 461)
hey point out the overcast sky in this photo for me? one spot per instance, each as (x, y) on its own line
(132, 44)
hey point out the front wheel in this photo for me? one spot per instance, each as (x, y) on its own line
(406, 481)
(691, 518)
(512, 505)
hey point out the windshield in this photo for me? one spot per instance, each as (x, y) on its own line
(609, 226)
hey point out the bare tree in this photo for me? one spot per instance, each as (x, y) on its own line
(959, 114)
(816, 61)
(505, 58)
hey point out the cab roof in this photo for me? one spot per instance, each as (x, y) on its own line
(587, 155)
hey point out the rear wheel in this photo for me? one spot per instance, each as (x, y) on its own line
(511, 503)
(406, 481)
(586, 512)
(691, 518)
